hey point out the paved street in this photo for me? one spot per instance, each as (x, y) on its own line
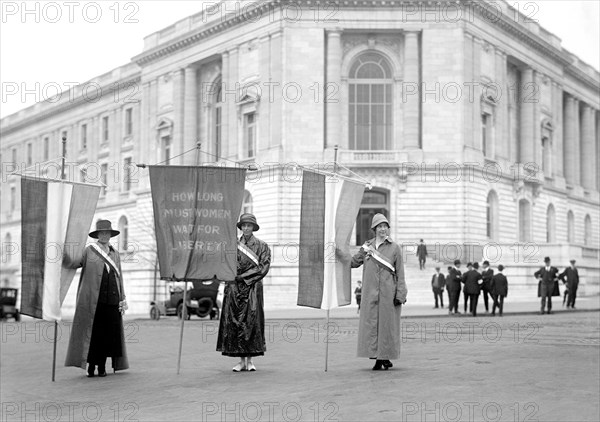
(521, 367)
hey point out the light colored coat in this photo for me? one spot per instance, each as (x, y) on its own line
(379, 323)
(87, 299)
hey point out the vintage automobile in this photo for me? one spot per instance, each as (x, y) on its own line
(201, 300)
(8, 304)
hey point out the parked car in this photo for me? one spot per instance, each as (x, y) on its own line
(201, 300)
(8, 304)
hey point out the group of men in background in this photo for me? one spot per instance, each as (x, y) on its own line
(496, 286)
(492, 285)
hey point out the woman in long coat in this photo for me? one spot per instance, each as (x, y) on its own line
(383, 293)
(97, 331)
(242, 327)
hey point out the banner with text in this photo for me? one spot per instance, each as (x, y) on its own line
(195, 214)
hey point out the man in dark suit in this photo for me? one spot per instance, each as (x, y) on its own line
(548, 277)
(572, 281)
(438, 282)
(499, 290)
(486, 275)
(422, 254)
(453, 286)
(472, 279)
(465, 294)
(448, 291)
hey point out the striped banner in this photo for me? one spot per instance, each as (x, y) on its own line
(56, 216)
(328, 213)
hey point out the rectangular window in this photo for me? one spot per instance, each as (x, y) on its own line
(29, 154)
(250, 134)
(46, 148)
(104, 178)
(13, 198)
(128, 122)
(105, 129)
(127, 175)
(84, 136)
(166, 149)
(485, 134)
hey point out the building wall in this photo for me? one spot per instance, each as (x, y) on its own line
(436, 171)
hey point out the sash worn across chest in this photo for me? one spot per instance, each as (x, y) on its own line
(248, 252)
(380, 259)
(107, 259)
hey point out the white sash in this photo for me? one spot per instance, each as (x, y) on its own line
(108, 260)
(249, 253)
(379, 257)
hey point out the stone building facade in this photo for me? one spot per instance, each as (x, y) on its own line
(474, 128)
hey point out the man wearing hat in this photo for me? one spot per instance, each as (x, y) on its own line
(422, 254)
(486, 275)
(454, 287)
(499, 289)
(100, 306)
(465, 294)
(572, 281)
(472, 279)
(242, 327)
(438, 282)
(384, 291)
(547, 285)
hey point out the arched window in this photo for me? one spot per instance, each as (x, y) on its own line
(370, 103)
(588, 231)
(492, 216)
(524, 221)
(124, 235)
(247, 203)
(570, 227)
(374, 201)
(550, 224)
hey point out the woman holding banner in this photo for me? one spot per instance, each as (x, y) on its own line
(242, 327)
(100, 305)
(383, 293)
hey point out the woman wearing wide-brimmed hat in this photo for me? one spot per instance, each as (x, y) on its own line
(97, 331)
(242, 327)
(383, 293)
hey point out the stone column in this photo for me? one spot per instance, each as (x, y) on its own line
(557, 135)
(588, 149)
(177, 141)
(190, 116)
(527, 141)
(412, 105)
(571, 120)
(333, 78)
(225, 148)
(501, 121)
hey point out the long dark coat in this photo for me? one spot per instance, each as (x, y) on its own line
(242, 326)
(453, 281)
(572, 276)
(499, 285)
(550, 278)
(379, 321)
(92, 267)
(471, 279)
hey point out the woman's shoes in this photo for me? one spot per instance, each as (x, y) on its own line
(251, 366)
(382, 364)
(239, 367)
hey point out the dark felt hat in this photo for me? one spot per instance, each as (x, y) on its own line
(104, 225)
(248, 218)
(547, 259)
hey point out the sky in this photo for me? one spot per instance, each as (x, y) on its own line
(45, 45)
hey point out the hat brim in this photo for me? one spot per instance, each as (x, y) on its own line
(256, 226)
(113, 233)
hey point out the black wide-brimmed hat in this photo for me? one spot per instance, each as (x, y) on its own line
(248, 218)
(104, 225)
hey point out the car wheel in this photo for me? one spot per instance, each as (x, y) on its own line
(154, 313)
(180, 311)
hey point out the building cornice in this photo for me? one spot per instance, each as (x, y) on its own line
(68, 105)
